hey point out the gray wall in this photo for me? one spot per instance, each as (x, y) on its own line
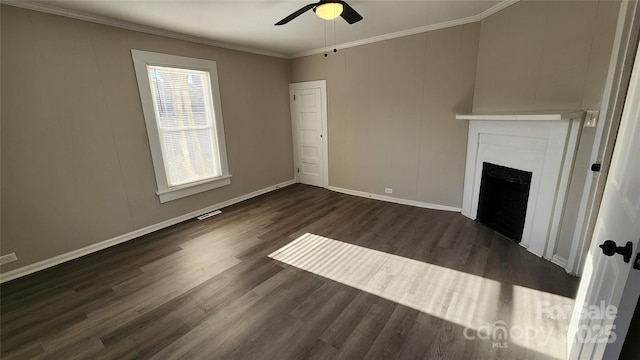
(76, 164)
(548, 55)
(545, 55)
(391, 113)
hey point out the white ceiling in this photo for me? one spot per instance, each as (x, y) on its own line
(249, 24)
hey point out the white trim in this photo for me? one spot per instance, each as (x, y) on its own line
(142, 60)
(44, 264)
(494, 9)
(73, 14)
(418, 30)
(545, 148)
(560, 261)
(523, 116)
(54, 10)
(192, 189)
(566, 172)
(605, 135)
(395, 199)
(322, 84)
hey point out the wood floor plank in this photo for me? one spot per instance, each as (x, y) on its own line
(271, 307)
(349, 318)
(421, 336)
(448, 343)
(363, 336)
(322, 351)
(216, 321)
(207, 289)
(33, 351)
(394, 334)
(316, 313)
(89, 348)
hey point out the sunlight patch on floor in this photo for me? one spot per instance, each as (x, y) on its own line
(467, 300)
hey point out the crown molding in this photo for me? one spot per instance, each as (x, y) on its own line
(32, 5)
(394, 35)
(494, 9)
(79, 15)
(468, 20)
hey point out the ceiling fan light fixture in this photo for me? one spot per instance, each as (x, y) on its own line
(329, 11)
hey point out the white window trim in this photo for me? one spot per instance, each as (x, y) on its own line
(140, 60)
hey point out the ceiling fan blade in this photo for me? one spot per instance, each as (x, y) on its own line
(296, 14)
(350, 14)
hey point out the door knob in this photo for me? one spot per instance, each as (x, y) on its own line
(610, 248)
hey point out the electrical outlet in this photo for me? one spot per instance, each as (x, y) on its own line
(5, 259)
(388, 190)
(591, 118)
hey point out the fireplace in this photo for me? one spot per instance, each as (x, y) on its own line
(540, 151)
(502, 203)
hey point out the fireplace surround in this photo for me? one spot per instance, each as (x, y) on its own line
(543, 144)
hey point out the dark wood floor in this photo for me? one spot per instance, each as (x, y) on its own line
(207, 290)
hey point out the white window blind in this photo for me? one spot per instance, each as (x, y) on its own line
(184, 113)
(181, 104)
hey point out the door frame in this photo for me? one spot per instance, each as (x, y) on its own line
(322, 85)
(618, 82)
(614, 94)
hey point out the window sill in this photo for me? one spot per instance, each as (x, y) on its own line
(191, 189)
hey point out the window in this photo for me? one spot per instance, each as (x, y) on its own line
(181, 104)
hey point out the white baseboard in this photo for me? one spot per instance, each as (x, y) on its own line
(395, 200)
(44, 264)
(560, 261)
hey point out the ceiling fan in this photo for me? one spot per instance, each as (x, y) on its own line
(328, 10)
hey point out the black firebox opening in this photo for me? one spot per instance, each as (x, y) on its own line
(502, 205)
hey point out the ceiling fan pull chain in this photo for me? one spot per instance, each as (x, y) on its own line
(334, 36)
(325, 38)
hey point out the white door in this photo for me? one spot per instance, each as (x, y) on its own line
(308, 114)
(609, 284)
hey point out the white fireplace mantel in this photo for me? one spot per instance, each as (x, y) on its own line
(544, 144)
(524, 116)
